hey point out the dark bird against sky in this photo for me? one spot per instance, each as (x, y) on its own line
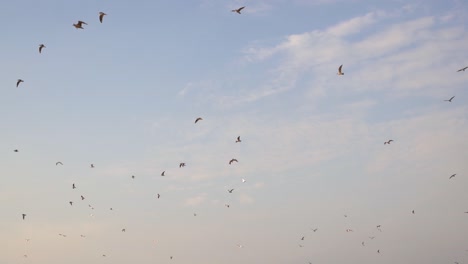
(238, 10)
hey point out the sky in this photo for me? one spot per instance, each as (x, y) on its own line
(123, 95)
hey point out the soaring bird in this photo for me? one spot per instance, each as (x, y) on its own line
(162, 174)
(24, 216)
(227, 205)
(79, 24)
(349, 230)
(243, 180)
(362, 243)
(232, 160)
(18, 82)
(230, 190)
(372, 237)
(82, 198)
(450, 100)
(41, 47)
(451, 176)
(339, 70)
(412, 211)
(378, 250)
(198, 119)
(133, 176)
(302, 238)
(101, 16)
(238, 139)
(71, 203)
(92, 165)
(83, 236)
(159, 195)
(58, 162)
(388, 142)
(15, 150)
(123, 230)
(315, 230)
(182, 164)
(238, 10)
(171, 257)
(462, 69)
(73, 186)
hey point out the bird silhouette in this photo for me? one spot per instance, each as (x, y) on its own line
(158, 195)
(182, 164)
(462, 69)
(339, 70)
(230, 190)
(238, 139)
(15, 150)
(92, 165)
(349, 230)
(238, 10)
(101, 16)
(412, 211)
(162, 174)
(315, 230)
(227, 205)
(451, 176)
(58, 162)
(133, 176)
(302, 238)
(450, 100)
(388, 142)
(243, 180)
(82, 198)
(70, 202)
(372, 237)
(24, 216)
(79, 24)
(18, 82)
(198, 119)
(41, 47)
(362, 243)
(378, 251)
(123, 230)
(73, 186)
(232, 160)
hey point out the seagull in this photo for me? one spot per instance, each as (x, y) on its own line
(232, 160)
(198, 119)
(71, 203)
(92, 165)
(339, 70)
(82, 197)
(41, 47)
(453, 175)
(182, 164)
(315, 230)
(159, 195)
(238, 139)
(238, 10)
(362, 243)
(79, 24)
(162, 174)
(243, 180)
(123, 230)
(133, 176)
(302, 238)
(227, 205)
(388, 142)
(58, 162)
(101, 15)
(230, 191)
(171, 257)
(450, 100)
(73, 186)
(412, 211)
(15, 150)
(24, 216)
(378, 250)
(83, 236)
(349, 230)
(372, 237)
(240, 246)
(18, 82)
(462, 69)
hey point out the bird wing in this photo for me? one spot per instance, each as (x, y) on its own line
(240, 8)
(100, 17)
(339, 69)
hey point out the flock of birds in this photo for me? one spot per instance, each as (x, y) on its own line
(79, 25)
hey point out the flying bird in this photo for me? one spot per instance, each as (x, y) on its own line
(159, 195)
(71, 203)
(58, 162)
(80, 24)
(315, 230)
(450, 100)
(74, 187)
(238, 139)
(41, 47)
(388, 142)
(227, 205)
(15, 150)
(198, 119)
(372, 237)
(83, 236)
(182, 164)
(378, 250)
(123, 230)
(238, 10)
(101, 16)
(462, 69)
(162, 174)
(362, 243)
(18, 82)
(339, 70)
(230, 190)
(349, 230)
(92, 165)
(243, 180)
(133, 176)
(302, 238)
(171, 257)
(412, 211)
(82, 198)
(232, 160)
(451, 176)
(240, 246)
(24, 216)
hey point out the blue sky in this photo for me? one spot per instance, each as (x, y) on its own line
(123, 95)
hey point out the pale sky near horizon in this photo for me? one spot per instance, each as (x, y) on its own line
(123, 95)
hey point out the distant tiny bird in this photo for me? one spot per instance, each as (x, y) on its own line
(24, 216)
(238, 10)
(110, 209)
(315, 230)
(227, 205)
(240, 246)
(194, 214)
(25, 256)
(412, 211)
(362, 243)
(345, 215)
(388, 142)
(18, 82)
(230, 190)
(301, 245)
(162, 174)
(238, 139)
(349, 230)
(198, 119)
(450, 100)
(232, 160)
(171, 257)
(159, 195)
(123, 230)
(58, 162)
(103, 255)
(339, 70)
(372, 237)
(133, 176)
(15, 150)
(82, 198)
(71, 203)
(83, 236)
(378, 251)
(243, 180)
(73, 186)
(92, 165)
(302, 238)
(462, 69)
(27, 239)
(79, 24)
(41, 47)
(451, 176)
(101, 16)
(182, 164)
